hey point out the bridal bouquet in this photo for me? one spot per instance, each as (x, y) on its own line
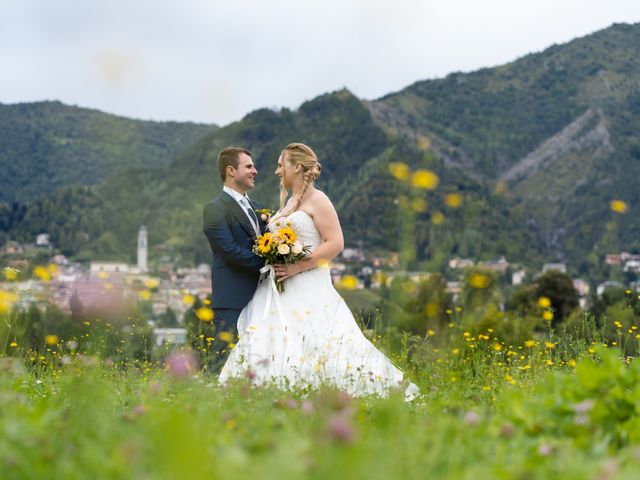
(280, 246)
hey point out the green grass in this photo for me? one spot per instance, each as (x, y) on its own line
(481, 416)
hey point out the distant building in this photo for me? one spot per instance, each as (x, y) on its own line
(142, 249)
(176, 336)
(612, 259)
(607, 285)
(108, 267)
(632, 266)
(560, 267)
(12, 248)
(581, 286)
(499, 266)
(518, 277)
(42, 240)
(460, 263)
(353, 255)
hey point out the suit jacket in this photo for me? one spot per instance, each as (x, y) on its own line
(236, 269)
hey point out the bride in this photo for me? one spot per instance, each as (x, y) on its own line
(306, 336)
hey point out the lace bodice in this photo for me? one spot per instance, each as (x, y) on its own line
(304, 226)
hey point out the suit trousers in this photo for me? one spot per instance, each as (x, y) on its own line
(226, 320)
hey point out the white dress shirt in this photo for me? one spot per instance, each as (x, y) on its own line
(241, 199)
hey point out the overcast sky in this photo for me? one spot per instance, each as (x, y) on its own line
(214, 61)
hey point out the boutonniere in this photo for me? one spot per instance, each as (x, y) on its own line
(265, 214)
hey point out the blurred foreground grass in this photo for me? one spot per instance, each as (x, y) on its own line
(83, 417)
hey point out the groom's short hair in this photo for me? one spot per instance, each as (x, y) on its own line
(229, 157)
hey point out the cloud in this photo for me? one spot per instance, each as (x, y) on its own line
(214, 60)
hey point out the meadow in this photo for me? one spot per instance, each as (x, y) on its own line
(558, 405)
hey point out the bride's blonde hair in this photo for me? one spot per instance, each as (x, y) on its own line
(295, 153)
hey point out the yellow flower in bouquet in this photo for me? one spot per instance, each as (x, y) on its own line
(265, 243)
(281, 246)
(287, 234)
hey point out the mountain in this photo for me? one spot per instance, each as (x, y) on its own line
(537, 148)
(46, 145)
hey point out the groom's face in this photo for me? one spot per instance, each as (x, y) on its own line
(244, 176)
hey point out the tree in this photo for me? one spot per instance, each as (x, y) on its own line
(558, 288)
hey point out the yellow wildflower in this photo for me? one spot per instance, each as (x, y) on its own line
(547, 315)
(188, 299)
(479, 280)
(453, 200)
(399, 170)
(204, 314)
(619, 206)
(152, 283)
(425, 179)
(51, 339)
(10, 273)
(437, 218)
(530, 343)
(226, 337)
(349, 282)
(42, 273)
(544, 302)
(549, 345)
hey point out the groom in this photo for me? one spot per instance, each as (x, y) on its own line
(231, 226)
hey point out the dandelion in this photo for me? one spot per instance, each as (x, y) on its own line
(419, 205)
(544, 302)
(530, 343)
(13, 344)
(425, 179)
(399, 170)
(509, 379)
(497, 347)
(145, 295)
(349, 282)
(226, 337)
(455, 351)
(423, 143)
(430, 333)
(453, 200)
(51, 339)
(431, 309)
(617, 324)
(42, 273)
(549, 345)
(10, 273)
(437, 218)
(571, 363)
(547, 315)
(204, 314)
(188, 299)
(619, 206)
(479, 280)
(152, 283)
(7, 300)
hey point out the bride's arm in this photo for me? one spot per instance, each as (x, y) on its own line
(326, 220)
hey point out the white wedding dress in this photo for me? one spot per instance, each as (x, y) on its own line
(306, 336)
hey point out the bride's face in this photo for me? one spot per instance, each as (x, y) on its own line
(286, 172)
